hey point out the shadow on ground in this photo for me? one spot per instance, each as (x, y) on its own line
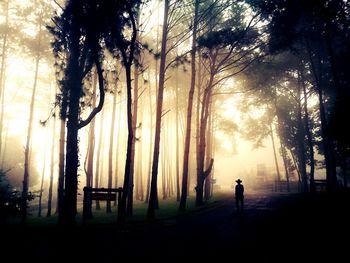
(273, 228)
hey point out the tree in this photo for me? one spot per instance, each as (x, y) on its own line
(148, 185)
(153, 199)
(61, 166)
(120, 43)
(80, 29)
(111, 142)
(91, 142)
(276, 86)
(41, 191)
(52, 162)
(228, 48)
(99, 157)
(308, 132)
(4, 47)
(172, 17)
(189, 109)
(38, 49)
(314, 30)
(134, 119)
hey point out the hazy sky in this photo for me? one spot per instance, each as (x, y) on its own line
(238, 157)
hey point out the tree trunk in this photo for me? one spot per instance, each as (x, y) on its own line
(127, 174)
(29, 136)
(170, 189)
(129, 208)
(91, 148)
(42, 178)
(72, 161)
(5, 146)
(99, 158)
(331, 175)
(49, 199)
(140, 191)
(297, 168)
(301, 141)
(91, 144)
(309, 136)
(73, 83)
(284, 157)
(177, 140)
(149, 174)
(212, 149)
(118, 145)
(165, 162)
(169, 162)
(201, 174)
(208, 179)
(153, 200)
(110, 150)
(60, 184)
(2, 73)
(197, 114)
(162, 160)
(189, 110)
(73, 86)
(278, 176)
(148, 186)
(328, 151)
(140, 160)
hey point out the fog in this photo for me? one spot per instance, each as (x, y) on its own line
(174, 129)
(235, 157)
(243, 106)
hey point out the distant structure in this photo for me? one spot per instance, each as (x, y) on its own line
(262, 179)
(261, 173)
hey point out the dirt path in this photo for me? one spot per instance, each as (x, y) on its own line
(273, 228)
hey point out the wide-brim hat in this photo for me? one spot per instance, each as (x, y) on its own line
(239, 181)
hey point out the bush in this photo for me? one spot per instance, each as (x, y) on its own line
(10, 198)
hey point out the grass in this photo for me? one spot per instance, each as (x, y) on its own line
(167, 209)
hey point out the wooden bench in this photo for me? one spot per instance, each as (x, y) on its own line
(101, 194)
(320, 185)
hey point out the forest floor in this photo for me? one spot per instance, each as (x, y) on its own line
(275, 227)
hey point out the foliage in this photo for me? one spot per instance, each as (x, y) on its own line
(231, 44)
(276, 86)
(34, 37)
(318, 32)
(82, 34)
(100, 26)
(86, 27)
(10, 198)
(226, 25)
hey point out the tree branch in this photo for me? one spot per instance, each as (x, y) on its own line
(235, 72)
(174, 60)
(96, 110)
(210, 167)
(58, 5)
(163, 114)
(133, 38)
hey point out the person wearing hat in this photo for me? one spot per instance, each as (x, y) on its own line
(239, 195)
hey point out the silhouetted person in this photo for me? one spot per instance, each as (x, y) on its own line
(239, 195)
